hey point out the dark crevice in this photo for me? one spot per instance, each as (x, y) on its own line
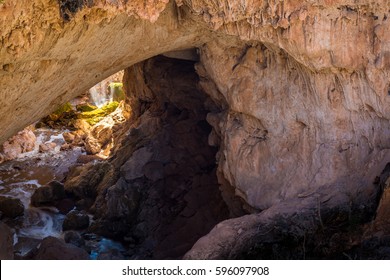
(68, 8)
(167, 193)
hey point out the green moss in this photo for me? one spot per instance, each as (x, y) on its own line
(64, 111)
(65, 116)
(67, 107)
(86, 107)
(94, 116)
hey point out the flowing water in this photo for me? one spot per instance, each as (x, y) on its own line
(19, 178)
(99, 94)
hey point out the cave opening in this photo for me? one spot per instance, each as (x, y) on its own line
(148, 181)
(166, 195)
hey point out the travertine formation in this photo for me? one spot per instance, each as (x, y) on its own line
(302, 87)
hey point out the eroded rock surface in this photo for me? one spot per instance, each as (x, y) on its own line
(300, 90)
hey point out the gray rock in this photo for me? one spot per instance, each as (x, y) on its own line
(6, 242)
(122, 200)
(75, 220)
(73, 237)
(133, 168)
(154, 170)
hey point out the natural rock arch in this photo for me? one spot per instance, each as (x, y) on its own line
(305, 111)
(47, 60)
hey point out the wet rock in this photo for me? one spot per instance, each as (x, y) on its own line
(65, 205)
(11, 207)
(26, 246)
(84, 204)
(65, 147)
(48, 194)
(52, 248)
(92, 145)
(68, 137)
(47, 147)
(73, 237)
(75, 220)
(6, 242)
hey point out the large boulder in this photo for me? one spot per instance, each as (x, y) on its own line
(82, 181)
(11, 207)
(24, 141)
(48, 194)
(52, 248)
(92, 145)
(6, 242)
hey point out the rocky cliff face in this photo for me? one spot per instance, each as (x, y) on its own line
(301, 90)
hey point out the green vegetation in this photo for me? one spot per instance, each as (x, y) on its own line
(64, 111)
(85, 107)
(66, 115)
(94, 116)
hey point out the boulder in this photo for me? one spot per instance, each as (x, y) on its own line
(6, 242)
(47, 147)
(68, 136)
(65, 205)
(102, 131)
(11, 207)
(52, 248)
(65, 147)
(73, 237)
(24, 141)
(48, 194)
(75, 220)
(82, 125)
(82, 181)
(92, 145)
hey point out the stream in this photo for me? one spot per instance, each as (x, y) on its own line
(19, 178)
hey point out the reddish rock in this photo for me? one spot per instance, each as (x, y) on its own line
(68, 136)
(47, 147)
(92, 145)
(24, 141)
